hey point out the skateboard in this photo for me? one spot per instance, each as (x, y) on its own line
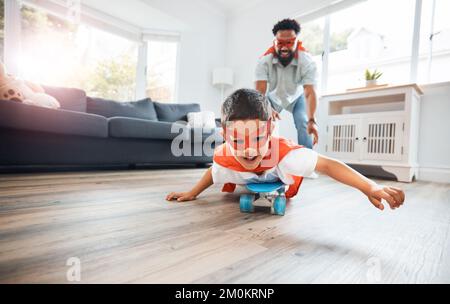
(270, 195)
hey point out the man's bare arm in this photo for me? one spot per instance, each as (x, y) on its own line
(261, 86)
(311, 99)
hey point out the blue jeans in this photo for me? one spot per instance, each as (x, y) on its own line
(301, 122)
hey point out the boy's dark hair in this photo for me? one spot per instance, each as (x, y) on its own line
(246, 104)
(287, 24)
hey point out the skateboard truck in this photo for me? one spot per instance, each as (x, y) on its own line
(270, 195)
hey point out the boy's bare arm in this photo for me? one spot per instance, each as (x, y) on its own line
(339, 171)
(205, 182)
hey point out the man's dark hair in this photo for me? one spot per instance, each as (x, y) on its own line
(287, 24)
(246, 104)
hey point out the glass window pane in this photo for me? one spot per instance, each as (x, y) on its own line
(369, 36)
(2, 29)
(437, 69)
(312, 37)
(161, 70)
(57, 52)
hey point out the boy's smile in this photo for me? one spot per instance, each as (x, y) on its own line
(249, 141)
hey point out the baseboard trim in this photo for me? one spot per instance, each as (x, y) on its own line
(438, 175)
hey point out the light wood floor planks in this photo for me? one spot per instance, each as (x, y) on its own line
(121, 229)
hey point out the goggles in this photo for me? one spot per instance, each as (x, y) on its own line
(288, 43)
(243, 137)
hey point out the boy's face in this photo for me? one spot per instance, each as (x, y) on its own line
(248, 140)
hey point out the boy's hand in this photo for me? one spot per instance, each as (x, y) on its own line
(181, 197)
(395, 197)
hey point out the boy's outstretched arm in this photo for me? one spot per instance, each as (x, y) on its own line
(339, 171)
(205, 182)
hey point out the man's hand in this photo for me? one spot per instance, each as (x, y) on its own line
(395, 197)
(312, 130)
(181, 197)
(275, 115)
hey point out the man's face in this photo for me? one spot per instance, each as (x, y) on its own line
(248, 141)
(285, 45)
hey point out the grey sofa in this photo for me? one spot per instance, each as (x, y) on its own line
(92, 132)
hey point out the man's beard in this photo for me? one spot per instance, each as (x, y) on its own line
(285, 61)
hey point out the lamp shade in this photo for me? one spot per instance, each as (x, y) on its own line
(223, 76)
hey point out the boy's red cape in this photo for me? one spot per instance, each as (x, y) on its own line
(279, 147)
(272, 51)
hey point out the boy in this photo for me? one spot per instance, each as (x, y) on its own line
(251, 154)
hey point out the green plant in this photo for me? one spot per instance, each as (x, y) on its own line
(373, 75)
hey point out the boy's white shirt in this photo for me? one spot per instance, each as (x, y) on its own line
(298, 162)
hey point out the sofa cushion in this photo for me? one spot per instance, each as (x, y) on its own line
(69, 99)
(175, 112)
(123, 127)
(14, 115)
(143, 109)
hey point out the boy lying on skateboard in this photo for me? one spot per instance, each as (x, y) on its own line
(251, 154)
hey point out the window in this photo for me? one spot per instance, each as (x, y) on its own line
(2, 29)
(312, 36)
(369, 36)
(161, 70)
(434, 58)
(57, 52)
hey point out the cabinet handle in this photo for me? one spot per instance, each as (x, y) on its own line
(357, 138)
(365, 139)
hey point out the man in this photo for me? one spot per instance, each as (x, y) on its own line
(287, 74)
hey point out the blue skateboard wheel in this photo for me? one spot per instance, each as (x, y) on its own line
(246, 203)
(279, 206)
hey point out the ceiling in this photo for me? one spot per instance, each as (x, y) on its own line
(234, 6)
(136, 12)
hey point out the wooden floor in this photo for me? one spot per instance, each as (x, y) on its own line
(120, 228)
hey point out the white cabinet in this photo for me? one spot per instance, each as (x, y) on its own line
(343, 138)
(382, 138)
(377, 127)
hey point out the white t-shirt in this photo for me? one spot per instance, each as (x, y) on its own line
(298, 162)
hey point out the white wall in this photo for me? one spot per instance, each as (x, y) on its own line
(434, 138)
(202, 48)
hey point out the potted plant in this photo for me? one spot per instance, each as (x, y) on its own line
(372, 77)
